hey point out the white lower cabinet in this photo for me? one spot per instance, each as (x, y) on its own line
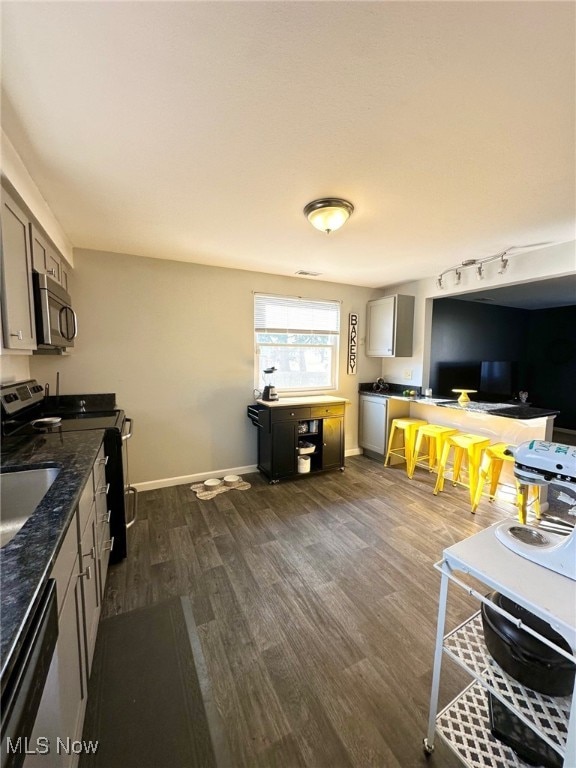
(91, 589)
(372, 432)
(376, 415)
(79, 588)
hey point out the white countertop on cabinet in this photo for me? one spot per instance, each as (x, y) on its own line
(292, 402)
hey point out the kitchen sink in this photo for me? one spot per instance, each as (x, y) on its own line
(21, 491)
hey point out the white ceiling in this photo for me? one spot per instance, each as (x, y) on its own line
(198, 131)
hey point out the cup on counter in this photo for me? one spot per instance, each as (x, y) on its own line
(427, 393)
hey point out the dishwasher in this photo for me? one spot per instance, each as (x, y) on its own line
(23, 684)
(376, 414)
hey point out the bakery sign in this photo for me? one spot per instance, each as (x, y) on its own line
(352, 342)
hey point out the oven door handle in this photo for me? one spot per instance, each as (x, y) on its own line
(129, 433)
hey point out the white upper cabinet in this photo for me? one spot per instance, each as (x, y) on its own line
(390, 322)
(18, 325)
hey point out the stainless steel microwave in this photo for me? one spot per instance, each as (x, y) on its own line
(56, 322)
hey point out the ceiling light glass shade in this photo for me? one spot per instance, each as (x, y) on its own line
(328, 214)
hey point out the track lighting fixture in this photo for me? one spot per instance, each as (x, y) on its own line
(478, 265)
(503, 265)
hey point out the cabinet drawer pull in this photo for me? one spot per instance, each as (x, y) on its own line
(109, 542)
(85, 574)
(51, 272)
(17, 335)
(103, 461)
(106, 518)
(104, 488)
(91, 554)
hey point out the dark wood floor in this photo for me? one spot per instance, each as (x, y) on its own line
(316, 606)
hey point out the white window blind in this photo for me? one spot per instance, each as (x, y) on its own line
(293, 315)
(299, 337)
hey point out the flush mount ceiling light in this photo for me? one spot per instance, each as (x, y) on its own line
(328, 213)
(478, 264)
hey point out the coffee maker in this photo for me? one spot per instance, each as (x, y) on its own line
(269, 392)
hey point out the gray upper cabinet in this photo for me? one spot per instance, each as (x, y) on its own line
(46, 259)
(19, 331)
(390, 322)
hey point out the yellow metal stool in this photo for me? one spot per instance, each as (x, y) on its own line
(408, 428)
(493, 461)
(464, 445)
(436, 435)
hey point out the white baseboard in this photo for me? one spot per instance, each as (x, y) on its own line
(166, 482)
(152, 485)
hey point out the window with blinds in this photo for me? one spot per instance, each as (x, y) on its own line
(299, 337)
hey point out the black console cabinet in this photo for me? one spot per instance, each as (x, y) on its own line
(280, 428)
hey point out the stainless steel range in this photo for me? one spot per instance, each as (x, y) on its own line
(27, 411)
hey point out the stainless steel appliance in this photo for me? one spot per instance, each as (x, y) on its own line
(24, 405)
(540, 462)
(56, 321)
(23, 684)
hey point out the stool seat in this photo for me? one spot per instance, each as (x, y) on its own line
(436, 435)
(491, 467)
(464, 444)
(407, 427)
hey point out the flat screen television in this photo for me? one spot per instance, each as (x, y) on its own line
(498, 377)
(457, 376)
(493, 380)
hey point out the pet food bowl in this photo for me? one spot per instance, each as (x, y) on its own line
(212, 483)
(232, 479)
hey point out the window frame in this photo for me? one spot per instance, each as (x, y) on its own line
(333, 330)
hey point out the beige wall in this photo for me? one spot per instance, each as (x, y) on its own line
(14, 367)
(175, 342)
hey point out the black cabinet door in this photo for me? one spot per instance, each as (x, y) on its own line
(284, 449)
(332, 443)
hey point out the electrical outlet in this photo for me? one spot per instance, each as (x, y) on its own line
(408, 373)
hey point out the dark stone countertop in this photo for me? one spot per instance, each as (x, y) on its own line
(505, 410)
(26, 561)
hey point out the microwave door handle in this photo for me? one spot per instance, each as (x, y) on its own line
(62, 323)
(75, 319)
(64, 333)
